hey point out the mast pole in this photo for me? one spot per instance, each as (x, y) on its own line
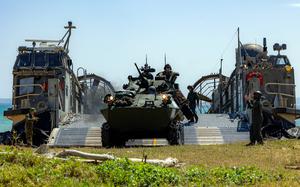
(69, 32)
(221, 86)
(237, 72)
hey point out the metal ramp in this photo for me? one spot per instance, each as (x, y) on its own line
(81, 131)
(216, 129)
(200, 136)
(215, 135)
(211, 129)
(76, 137)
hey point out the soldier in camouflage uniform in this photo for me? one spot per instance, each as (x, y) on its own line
(168, 74)
(193, 102)
(29, 123)
(257, 119)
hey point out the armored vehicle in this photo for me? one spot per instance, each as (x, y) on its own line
(146, 108)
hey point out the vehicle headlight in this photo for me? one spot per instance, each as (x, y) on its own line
(109, 99)
(165, 99)
(288, 68)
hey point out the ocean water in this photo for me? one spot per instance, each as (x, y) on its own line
(5, 124)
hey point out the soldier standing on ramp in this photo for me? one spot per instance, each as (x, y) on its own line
(257, 119)
(30, 121)
(193, 101)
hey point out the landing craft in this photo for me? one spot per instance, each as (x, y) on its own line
(255, 69)
(43, 78)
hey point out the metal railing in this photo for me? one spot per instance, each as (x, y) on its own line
(267, 85)
(206, 88)
(27, 94)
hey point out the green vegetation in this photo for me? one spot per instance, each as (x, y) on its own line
(217, 166)
(138, 174)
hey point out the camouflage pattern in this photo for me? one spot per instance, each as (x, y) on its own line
(29, 125)
(146, 108)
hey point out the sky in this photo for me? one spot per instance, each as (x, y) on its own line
(112, 35)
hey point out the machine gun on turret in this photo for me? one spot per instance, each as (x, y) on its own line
(143, 81)
(147, 70)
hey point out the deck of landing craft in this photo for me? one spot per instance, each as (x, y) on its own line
(211, 129)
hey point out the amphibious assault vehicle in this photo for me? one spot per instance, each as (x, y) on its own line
(146, 108)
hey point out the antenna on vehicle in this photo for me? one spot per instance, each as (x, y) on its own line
(265, 45)
(146, 59)
(165, 58)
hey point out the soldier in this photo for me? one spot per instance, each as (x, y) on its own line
(193, 101)
(168, 74)
(146, 71)
(30, 120)
(147, 75)
(257, 119)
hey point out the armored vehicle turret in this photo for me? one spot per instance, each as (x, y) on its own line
(146, 108)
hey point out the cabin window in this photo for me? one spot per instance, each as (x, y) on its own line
(24, 60)
(40, 59)
(54, 60)
(26, 86)
(280, 61)
(251, 53)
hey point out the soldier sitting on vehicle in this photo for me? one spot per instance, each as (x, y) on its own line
(31, 119)
(146, 71)
(168, 75)
(147, 75)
